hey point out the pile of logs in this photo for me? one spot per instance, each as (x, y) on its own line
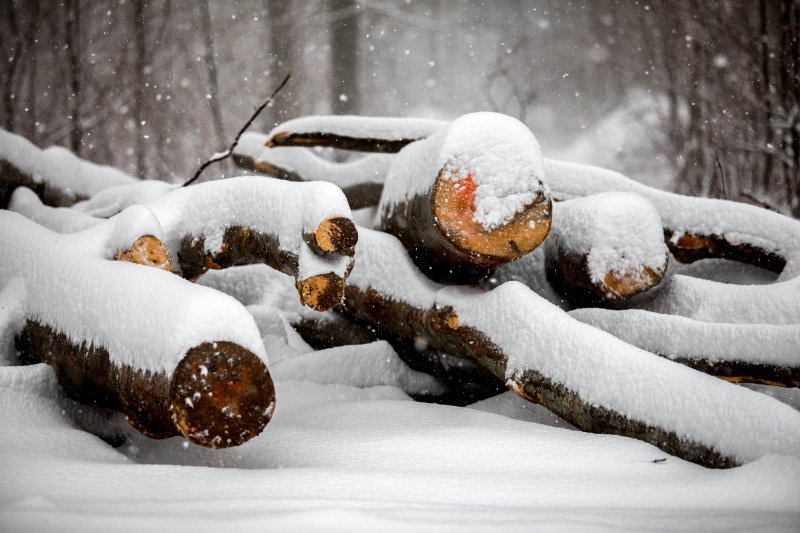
(450, 217)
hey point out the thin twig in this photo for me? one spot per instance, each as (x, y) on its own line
(224, 155)
(721, 173)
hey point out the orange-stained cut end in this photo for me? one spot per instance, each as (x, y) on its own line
(147, 250)
(454, 212)
(221, 395)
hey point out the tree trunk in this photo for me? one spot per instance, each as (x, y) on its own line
(213, 81)
(344, 28)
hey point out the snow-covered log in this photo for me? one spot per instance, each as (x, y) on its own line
(588, 377)
(700, 227)
(605, 248)
(302, 229)
(741, 353)
(175, 357)
(361, 180)
(364, 134)
(57, 176)
(695, 228)
(469, 198)
(146, 250)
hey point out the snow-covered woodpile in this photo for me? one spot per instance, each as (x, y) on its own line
(558, 281)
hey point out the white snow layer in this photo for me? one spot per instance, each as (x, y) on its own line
(337, 458)
(619, 232)
(283, 209)
(74, 288)
(498, 152)
(360, 127)
(59, 167)
(59, 219)
(678, 336)
(600, 368)
(113, 200)
(305, 163)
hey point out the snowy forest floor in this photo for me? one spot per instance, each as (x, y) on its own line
(364, 458)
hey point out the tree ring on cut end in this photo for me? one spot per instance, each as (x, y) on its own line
(221, 395)
(454, 211)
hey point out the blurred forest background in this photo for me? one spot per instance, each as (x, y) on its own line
(697, 96)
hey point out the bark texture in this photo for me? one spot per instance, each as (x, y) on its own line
(220, 394)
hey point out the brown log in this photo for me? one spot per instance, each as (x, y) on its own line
(220, 395)
(342, 142)
(336, 235)
(466, 381)
(439, 231)
(604, 249)
(12, 177)
(691, 247)
(439, 327)
(245, 246)
(438, 320)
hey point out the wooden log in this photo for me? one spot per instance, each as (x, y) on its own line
(360, 180)
(301, 229)
(605, 248)
(466, 381)
(55, 174)
(364, 134)
(739, 353)
(570, 368)
(176, 358)
(219, 395)
(469, 198)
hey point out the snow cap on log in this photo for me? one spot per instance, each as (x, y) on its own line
(137, 339)
(57, 175)
(468, 198)
(605, 248)
(301, 229)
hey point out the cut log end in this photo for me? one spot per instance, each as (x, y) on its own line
(619, 286)
(334, 235)
(221, 395)
(321, 292)
(147, 250)
(454, 212)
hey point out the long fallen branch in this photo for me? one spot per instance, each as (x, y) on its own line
(57, 176)
(591, 379)
(176, 358)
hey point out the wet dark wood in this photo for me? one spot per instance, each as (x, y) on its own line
(691, 247)
(11, 177)
(245, 246)
(570, 276)
(342, 142)
(440, 329)
(229, 390)
(743, 372)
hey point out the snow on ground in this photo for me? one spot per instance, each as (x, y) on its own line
(347, 451)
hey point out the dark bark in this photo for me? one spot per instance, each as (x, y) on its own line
(439, 327)
(11, 177)
(231, 402)
(688, 248)
(244, 246)
(72, 31)
(342, 142)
